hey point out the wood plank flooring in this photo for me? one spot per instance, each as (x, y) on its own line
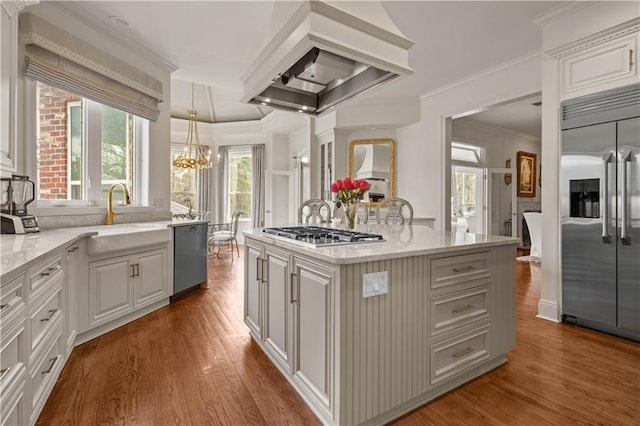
(193, 363)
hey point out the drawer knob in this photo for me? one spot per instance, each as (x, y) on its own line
(462, 308)
(53, 362)
(463, 352)
(465, 269)
(51, 312)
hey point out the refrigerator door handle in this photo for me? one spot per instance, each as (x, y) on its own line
(604, 198)
(624, 234)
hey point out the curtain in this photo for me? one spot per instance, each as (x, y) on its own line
(223, 183)
(257, 185)
(202, 185)
(57, 58)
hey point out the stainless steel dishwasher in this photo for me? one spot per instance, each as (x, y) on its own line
(189, 256)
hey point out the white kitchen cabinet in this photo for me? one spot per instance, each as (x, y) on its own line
(70, 291)
(8, 86)
(268, 300)
(118, 286)
(252, 289)
(313, 330)
(604, 66)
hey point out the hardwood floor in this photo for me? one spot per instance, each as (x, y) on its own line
(193, 363)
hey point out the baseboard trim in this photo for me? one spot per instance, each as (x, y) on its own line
(548, 310)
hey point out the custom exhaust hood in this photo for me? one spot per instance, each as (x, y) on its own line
(325, 54)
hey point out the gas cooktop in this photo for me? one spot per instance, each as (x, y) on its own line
(317, 236)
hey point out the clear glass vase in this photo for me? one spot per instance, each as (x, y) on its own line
(350, 210)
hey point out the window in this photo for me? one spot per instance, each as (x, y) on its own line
(466, 187)
(183, 185)
(239, 178)
(80, 142)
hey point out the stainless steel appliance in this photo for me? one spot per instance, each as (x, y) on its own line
(600, 189)
(17, 193)
(189, 256)
(318, 236)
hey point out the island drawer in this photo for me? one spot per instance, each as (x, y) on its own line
(453, 273)
(11, 297)
(454, 310)
(454, 356)
(44, 273)
(45, 371)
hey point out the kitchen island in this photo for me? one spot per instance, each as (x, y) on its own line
(367, 332)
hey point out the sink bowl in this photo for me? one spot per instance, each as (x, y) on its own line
(117, 238)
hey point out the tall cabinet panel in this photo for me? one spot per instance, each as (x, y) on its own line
(8, 86)
(629, 246)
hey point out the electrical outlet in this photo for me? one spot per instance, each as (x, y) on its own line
(375, 284)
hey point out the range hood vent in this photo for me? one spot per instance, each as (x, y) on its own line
(321, 70)
(375, 162)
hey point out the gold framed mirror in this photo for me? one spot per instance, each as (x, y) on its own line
(374, 160)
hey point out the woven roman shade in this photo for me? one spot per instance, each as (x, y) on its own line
(59, 59)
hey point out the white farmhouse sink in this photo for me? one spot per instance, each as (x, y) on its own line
(115, 238)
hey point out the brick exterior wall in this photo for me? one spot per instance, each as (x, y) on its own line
(52, 142)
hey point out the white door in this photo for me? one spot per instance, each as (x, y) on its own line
(278, 192)
(501, 203)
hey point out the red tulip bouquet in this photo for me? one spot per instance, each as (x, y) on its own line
(349, 194)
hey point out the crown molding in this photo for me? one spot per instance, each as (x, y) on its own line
(559, 11)
(106, 30)
(481, 74)
(471, 123)
(21, 4)
(621, 30)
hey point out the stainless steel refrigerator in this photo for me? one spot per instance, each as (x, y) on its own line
(600, 190)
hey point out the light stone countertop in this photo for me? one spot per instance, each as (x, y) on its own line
(400, 241)
(18, 250)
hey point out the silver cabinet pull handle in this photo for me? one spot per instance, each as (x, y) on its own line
(49, 271)
(258, 269)
(465, 269)
(51, 313)
(604, 198)
(462, 308)
(53, 362)
(4, 371)
(463, 352)
(133, 271)
(624, 234)
(293, 276)
(137, 269)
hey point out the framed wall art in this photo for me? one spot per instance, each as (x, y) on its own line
(526, 174)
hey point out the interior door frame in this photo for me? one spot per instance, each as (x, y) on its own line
(269, 174)
(514, 200)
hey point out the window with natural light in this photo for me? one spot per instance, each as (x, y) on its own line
(240, 178)
(80, 142)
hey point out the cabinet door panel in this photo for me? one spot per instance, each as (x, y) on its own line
(151, 277)
(252, 309)
(276, 329)
(110, 290)
(313, 328)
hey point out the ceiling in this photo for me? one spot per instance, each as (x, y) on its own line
(213, 43)
(522, 116)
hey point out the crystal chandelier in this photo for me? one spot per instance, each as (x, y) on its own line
(193, 156)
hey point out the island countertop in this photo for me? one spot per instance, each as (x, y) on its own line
(400, 241)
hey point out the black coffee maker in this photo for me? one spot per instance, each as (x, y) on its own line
(16, 193)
